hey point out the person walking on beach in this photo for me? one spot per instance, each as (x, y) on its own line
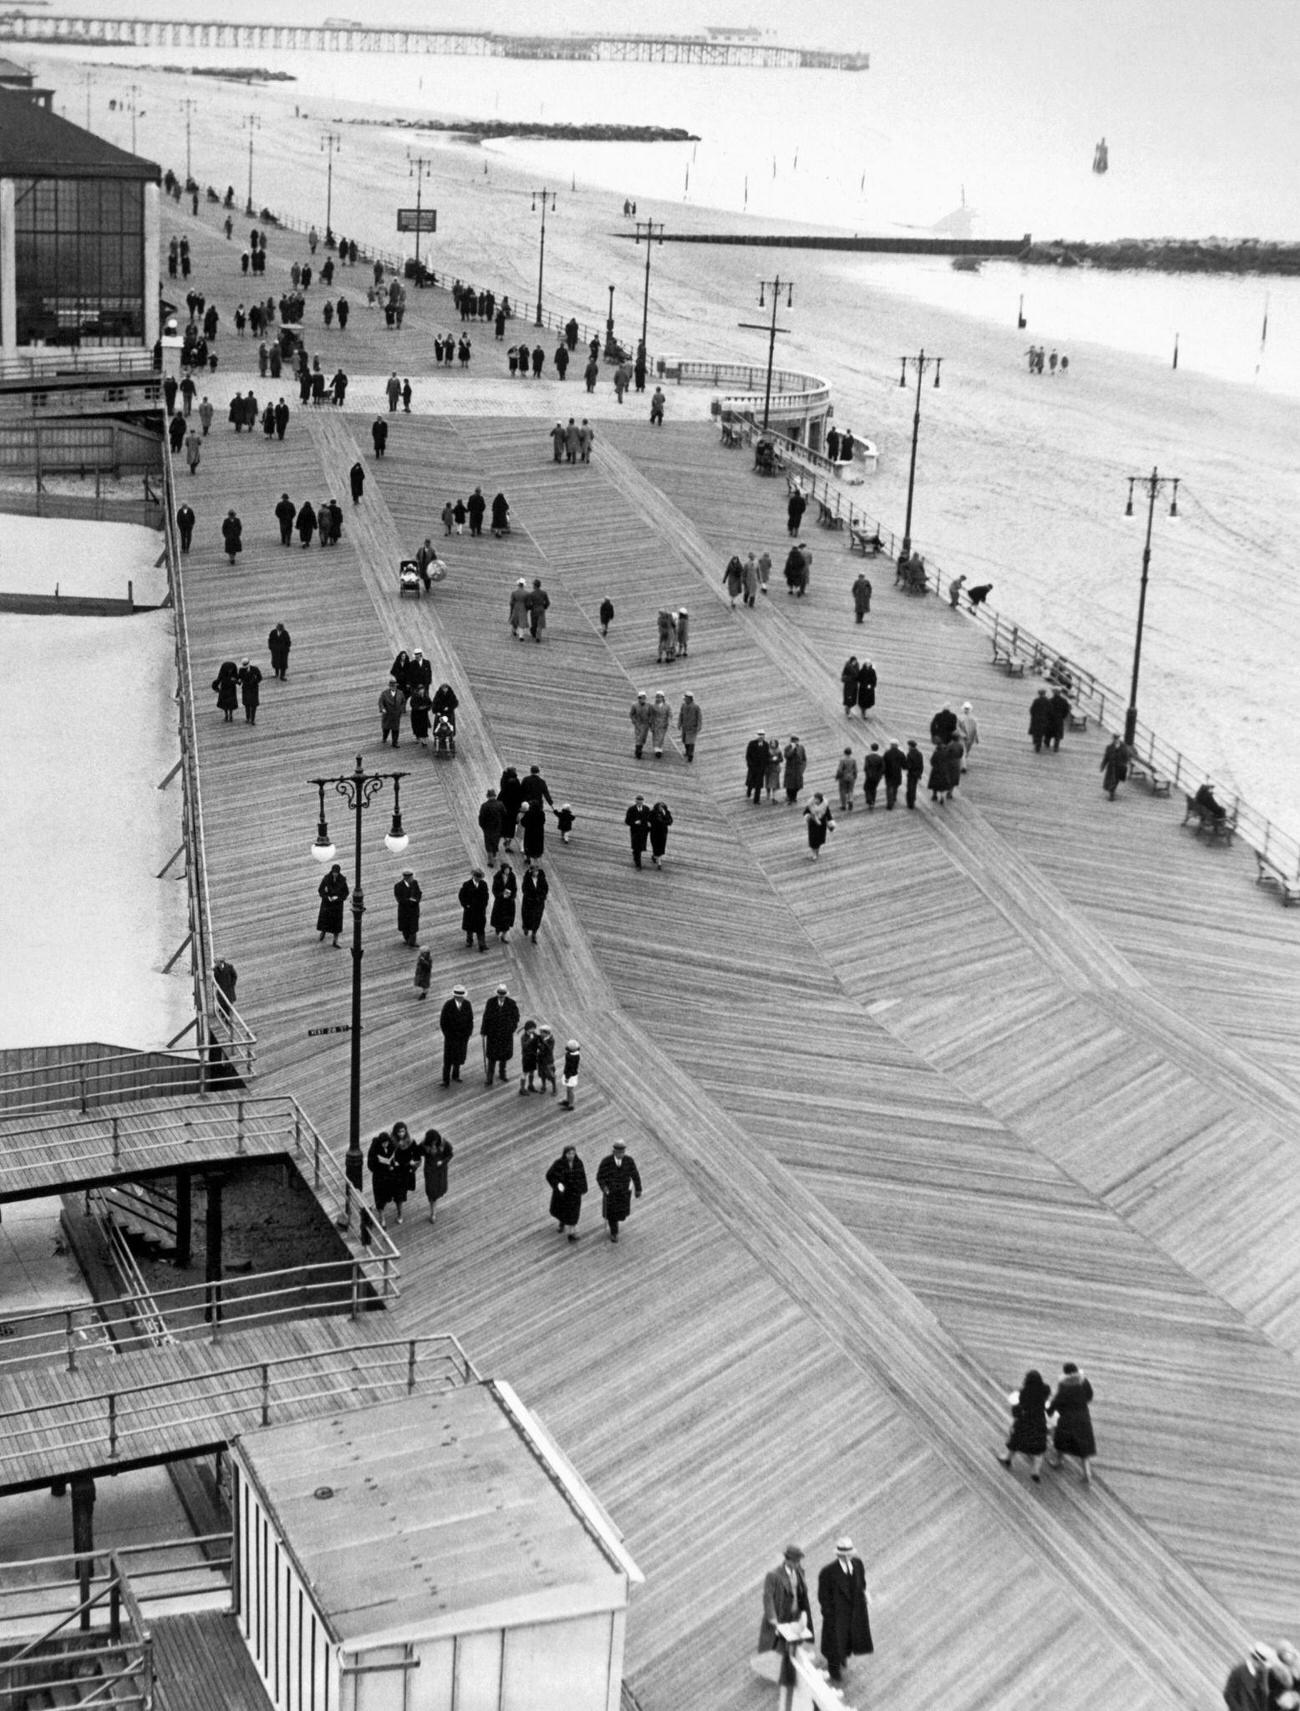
(842, 1598)
(617, 1179)
(637, 821)
(567, 1181)
(1114, 765)
(1072, 1435)
(436, 1155)
(498, 1027)
(1028, 1435)
(456, 1024)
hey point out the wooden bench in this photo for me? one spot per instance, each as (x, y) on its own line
(1146, 772)
(827, 518)
(1078, 720)
(1201, 820)
(1005, 660)
(861, 542)
(1271, 874)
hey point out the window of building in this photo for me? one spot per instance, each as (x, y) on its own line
(79, 260)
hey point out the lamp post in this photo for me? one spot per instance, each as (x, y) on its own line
(541, 252)
(654, 233)
(134, 107)
(329, 142)
(417, 166)
(920, 364)
(775, 286)
(1154, 484)
(358, 789)
(254, 125)
(609, 326)
(188, 104)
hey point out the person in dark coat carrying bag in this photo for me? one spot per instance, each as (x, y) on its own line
(842, 1596)
(785, 1600)
(567, 1179)
(617, 1179)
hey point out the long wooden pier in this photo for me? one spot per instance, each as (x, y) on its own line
(993, 1084)
(599, 47)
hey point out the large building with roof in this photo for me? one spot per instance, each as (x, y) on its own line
(78, 236)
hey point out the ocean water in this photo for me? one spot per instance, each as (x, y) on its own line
(985, 114)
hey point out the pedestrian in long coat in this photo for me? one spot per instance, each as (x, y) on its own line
(333, 892)
(392, 704)
(660, 716)
(500, 514)
(893, 766)
(861, 597)
(1114, 766)
(1058, 713)
(756, 767)
(473, 898)
(956, 752)
(750, 571)
(538, 604)
(794, 511)
(868, 680)
(818, 816)
(491, 819)
(846, 778)
(796, 571)
(420, 706)
(357, 481)
(690, 722)
(176, 432)
(940, 782)
(660, 820)
(640, 715)
(842, 1597)
(567, 1179)
(226, 685)
(873, 770)
(456, 1024)
(796, 759)
(733, 579)
(385, 1171)
(969, 732)
(185, 521)
(250, 689)
(774, 765)
(1040, 719)
(500, 1021)
(379, 435)
(285, 513)
(519, 610)
(436, 1154)
(1072, 1434)
(849, 683)
(667, 630)
(1028, 1435)
(510, 794)
(408, 894)
(532, 824)
(232, 535)
(505, 889)
(536, 887)
(617, 1179)
(637, 821)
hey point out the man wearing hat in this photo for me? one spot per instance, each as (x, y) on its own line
(473, 899)
(842, 1595)
(785, 1599)
(756, 767)
(250, 689)
(1247, 1687)
(500, 1020)
(408, 894)
(617, 1180)
(456, 1022)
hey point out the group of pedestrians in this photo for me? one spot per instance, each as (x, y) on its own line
(239, 684)
(1072, 1435)
(1048, 715)
(571, 442)
(309, 521)
(527, 610)
(457, 512)
(787, 1613)
(396, 1161)
(651, 720)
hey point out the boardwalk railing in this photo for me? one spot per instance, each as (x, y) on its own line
(225, 1040)
(93, 1648)
(126, 1425)
(77, 1077)
(45, 364)
(1105, 704)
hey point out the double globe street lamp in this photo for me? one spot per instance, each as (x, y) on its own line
(358, 789)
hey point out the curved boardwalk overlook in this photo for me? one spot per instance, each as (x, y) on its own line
(1008, 1083)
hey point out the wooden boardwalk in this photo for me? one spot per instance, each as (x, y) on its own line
(993, 1085)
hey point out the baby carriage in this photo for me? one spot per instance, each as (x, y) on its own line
(408, 578)
(444, 736)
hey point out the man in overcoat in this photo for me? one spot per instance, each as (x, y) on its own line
(617, 1179)
(392, 704)
(785, 1599)
(1040, 720)
(756, 767)
(456, 1023)
(408, 894)
(500, 1020)
(637, 821)
(250, 689)
(474, 898)
(842, 1596)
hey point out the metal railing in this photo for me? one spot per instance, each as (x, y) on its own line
(44, 364)
(82, 1082)
(115, 1425)
(149, 1318)
(109, 1664)
(791, 390)
(225, 1040)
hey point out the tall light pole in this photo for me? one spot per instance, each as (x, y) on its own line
(609, 326)
(776, 287)
(654, 233)
(358, 789)
(1154, 484)
(418, 165)
(920, 364)
(254, 125)
(541, 253)
(134, 105)
(329, 142)
(189, 104)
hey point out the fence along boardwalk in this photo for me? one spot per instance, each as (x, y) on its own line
(748, 1024)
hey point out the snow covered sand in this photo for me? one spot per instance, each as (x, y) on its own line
(87, 710)
(87, 560)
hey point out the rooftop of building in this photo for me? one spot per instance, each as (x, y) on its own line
(35, 143)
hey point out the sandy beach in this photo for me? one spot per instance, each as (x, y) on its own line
(1021, 480)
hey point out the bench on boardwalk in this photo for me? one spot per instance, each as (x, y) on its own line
(767, 460)
(827, 518)
(1078, 720)
(861, 542)
(1005, 659)
(1201, 820)
(1269, 873)
(1145, 771)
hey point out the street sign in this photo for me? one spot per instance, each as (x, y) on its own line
(417, 219)
(338, 1028)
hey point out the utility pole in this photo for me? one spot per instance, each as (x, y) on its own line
(920, 364)
(1154, 484)
(541, 253)
(776, 287)
(418, 166)
(654, 233)
(254, 125)
(329, 142)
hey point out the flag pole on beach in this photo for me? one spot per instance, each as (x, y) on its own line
(1263, 336)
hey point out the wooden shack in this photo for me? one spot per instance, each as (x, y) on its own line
(433, 1554)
